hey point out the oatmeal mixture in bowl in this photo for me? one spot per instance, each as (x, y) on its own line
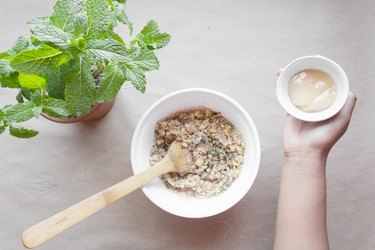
(215, 145)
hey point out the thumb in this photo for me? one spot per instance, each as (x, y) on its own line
(279, 71)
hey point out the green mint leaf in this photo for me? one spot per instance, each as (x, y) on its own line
(2, 122)
(39, 61)
(3, 55)
(107, 49)
(6, 108)
(80, 24)
(114, 36)
(135, 75)
(139, 61)
(19, 97)
(56, 108)
(26, 93)
(150, 28)
(65, 12)
(80, 87)
(37, 110)
(2, 129)
(36, 97)
(110, 83)
(10, 81)
(98, 13)
(21, 132)
(35, 42)
(31, 81)
(78, 45)
(56, 82)
(121, 16)
(143, 58)
(51, 34)
(44, 20)
(5, 68)
(20, 45)
(151, 38)
(22, 112)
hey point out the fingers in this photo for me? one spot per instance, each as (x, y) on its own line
(347, 110)
(279, 71)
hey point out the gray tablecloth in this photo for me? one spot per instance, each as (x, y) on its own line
(231, 46)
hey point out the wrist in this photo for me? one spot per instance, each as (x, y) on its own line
(305, 154)
(307, 161)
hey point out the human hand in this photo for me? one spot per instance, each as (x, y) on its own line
(315, 139)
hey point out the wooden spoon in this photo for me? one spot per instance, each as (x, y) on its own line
(176, 160)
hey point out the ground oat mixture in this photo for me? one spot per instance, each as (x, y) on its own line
(215, 145)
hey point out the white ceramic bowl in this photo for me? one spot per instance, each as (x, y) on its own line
(183, 100)
(313, 62)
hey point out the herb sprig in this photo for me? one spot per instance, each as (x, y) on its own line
(73, 60)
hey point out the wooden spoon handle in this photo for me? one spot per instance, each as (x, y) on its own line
(54, 225)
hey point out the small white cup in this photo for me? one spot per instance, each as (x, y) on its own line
(313, 62)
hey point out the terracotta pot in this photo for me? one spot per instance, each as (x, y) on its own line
(98, 111)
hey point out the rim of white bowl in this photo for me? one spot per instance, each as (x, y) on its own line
(313, 116)
(256, 145)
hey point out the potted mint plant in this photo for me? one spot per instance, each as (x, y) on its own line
(74, 63)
